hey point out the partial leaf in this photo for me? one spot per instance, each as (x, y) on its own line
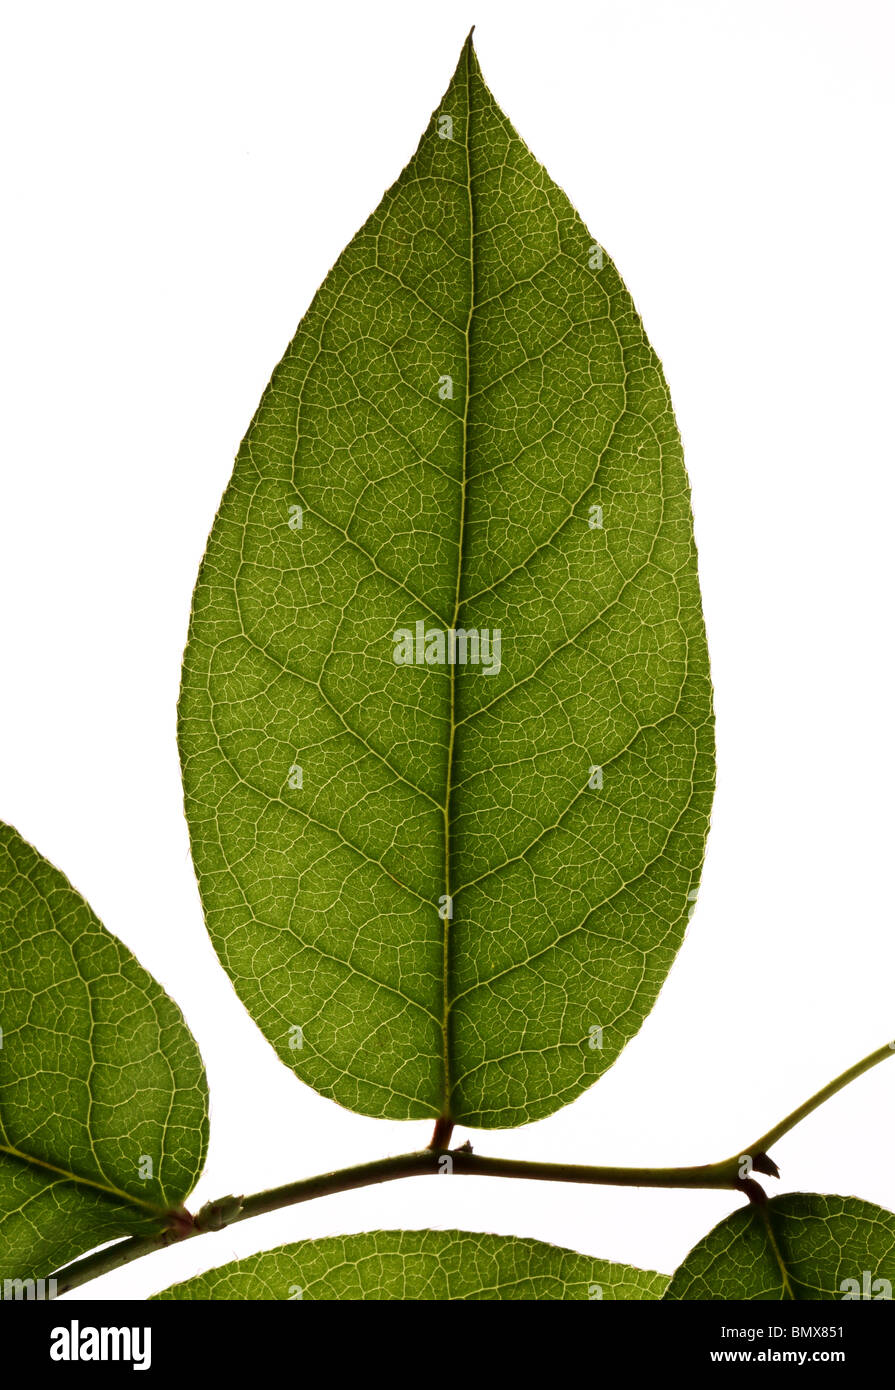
(103, 1098)
(419, 1265)
(806, 1246)
(453, 887)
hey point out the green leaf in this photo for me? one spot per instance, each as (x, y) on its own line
(98, 1074)
(419, 1265)
(805, 1246)
(453, 888)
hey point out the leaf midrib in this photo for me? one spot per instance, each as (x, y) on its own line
(446, 1002)
(789, 1293)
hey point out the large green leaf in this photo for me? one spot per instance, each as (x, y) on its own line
(450, 888)
(103, 1100)
(806, 1246)
(418, 1265)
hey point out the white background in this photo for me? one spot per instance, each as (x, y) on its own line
(178, 177)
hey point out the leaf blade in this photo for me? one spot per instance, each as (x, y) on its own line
(819, 1241)
(423, 787)
(98, 1073)
(443, 1265)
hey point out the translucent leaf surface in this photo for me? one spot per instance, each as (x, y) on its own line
(812, 1247)
(448, 874)
(103, 1099)
(416, 1265)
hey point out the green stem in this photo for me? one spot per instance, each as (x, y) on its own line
(423, 1163)
(110, 1257)
(762, 1145)
(463, 1162)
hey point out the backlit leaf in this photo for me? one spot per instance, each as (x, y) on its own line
(453, 887)
(103, 1099)
(810, 1247)
(417, 1265)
